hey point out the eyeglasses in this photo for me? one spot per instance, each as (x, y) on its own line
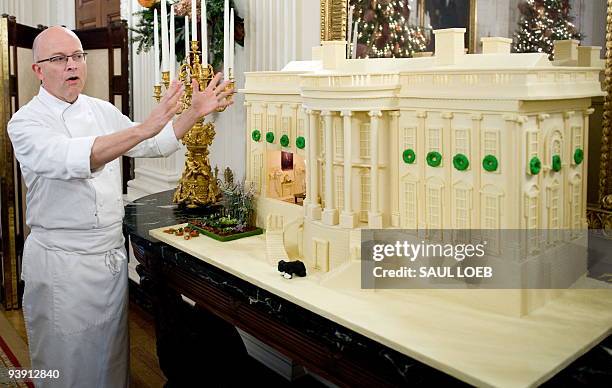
(63, 59)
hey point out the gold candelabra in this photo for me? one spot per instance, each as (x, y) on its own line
(198, 185)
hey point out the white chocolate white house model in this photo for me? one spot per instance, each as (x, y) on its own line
(452, 141)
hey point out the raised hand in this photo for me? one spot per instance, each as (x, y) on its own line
(211, 98)
(165, 110)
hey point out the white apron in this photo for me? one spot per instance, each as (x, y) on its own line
(75, 306)
(74, 264)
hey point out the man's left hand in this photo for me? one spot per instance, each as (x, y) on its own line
(215, 96)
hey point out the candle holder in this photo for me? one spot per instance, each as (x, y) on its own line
(198, 185)
(165, 79)
(157, 92)
(230, 86)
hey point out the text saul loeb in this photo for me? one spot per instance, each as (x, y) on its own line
(434, 272)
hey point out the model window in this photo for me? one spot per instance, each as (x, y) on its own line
(576, 137)
(462, 211)
(339, 191)
(462, 142)
(434, 139)
(491, 143)
(365, 197)
(532, 144)
(434, 207)
(364, 141)
(410, 138)
(410, 204)
(338, 132)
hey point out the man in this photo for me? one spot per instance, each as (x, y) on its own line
(74, 263)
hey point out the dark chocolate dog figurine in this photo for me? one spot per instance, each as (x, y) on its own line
(290, 268)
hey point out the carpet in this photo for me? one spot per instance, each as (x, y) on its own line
(10, 346)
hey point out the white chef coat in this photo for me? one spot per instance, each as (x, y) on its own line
(74, 262)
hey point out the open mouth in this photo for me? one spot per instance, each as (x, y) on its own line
(74, 78)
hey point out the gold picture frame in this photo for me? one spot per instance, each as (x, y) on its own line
(9, 211)
(333, 19)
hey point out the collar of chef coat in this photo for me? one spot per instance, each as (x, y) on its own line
(55, 104)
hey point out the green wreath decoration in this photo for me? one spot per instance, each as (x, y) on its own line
(409, 156)
(578, 155)
(434, 158)
(556, 163)
(284, 140)
(270, 137)
(490, 163)
(535, 165)
(461, 162)
(300, 142)
(256, 135)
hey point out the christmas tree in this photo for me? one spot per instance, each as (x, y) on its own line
(542, 22)
(384, 31)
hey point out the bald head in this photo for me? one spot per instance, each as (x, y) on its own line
(49, 38)
(64, 78)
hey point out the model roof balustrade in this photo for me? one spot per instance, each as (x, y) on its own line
(496, 74)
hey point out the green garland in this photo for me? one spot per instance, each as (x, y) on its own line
(144, 30)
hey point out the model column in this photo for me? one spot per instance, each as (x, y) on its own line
(265, 128)
(309, 168)
(249, 128)
(348, 218)
(330, 213)
(394, 167)
(314, 208)
(374, 216)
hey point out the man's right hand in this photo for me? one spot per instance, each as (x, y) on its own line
(164, 111)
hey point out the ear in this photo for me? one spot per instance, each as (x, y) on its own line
(37, 70)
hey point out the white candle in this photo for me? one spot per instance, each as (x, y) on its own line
(350, 24)
(225, 38)
(354, 54)
(204, 32)
(156, 46)
(194, 21)
(164, 38)
(231, 46)
(172, 44)
(187, 39)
